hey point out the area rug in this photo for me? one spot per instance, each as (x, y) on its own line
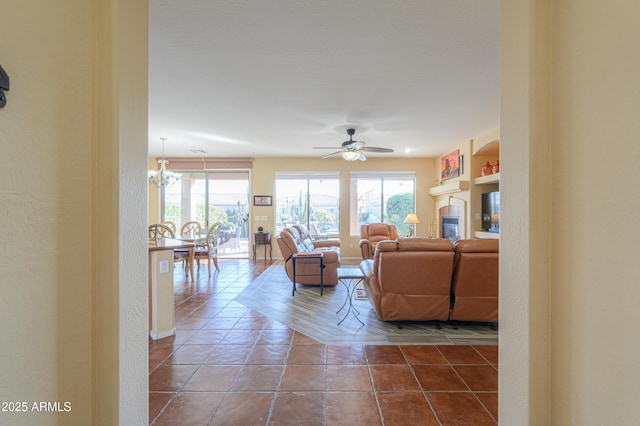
(315, 316)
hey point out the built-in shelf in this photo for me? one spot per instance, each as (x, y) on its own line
(484, 180)
(487, 235)
(449, 188)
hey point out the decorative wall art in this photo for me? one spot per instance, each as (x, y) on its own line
(262, 200)
(451, 165)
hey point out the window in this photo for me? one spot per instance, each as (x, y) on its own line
(381, 197)
(310, 199)
(210, 197)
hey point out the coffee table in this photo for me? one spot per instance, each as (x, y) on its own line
(350, 278)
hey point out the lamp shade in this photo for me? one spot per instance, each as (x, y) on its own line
(411, 218)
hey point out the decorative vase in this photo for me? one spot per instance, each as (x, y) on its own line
(496, 167)
(487, 169)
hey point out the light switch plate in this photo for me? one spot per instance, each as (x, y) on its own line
(164, 266)
(256, 219)
(263, 218)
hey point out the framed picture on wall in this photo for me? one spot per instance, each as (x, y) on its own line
(262, 200)
(451, 165)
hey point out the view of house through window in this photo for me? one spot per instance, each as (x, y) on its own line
(381, 197)
(309, 199)
(210, 197)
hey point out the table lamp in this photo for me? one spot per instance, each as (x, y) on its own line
(411, 219)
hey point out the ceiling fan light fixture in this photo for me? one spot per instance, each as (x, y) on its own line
(350, 155)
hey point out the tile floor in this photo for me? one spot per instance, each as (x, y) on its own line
(229, 365)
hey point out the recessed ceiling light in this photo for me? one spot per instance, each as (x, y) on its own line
(408, 150)
(198, 151)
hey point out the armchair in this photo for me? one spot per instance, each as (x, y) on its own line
(372, 233)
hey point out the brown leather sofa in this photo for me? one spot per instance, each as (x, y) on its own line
(372, 233)
(474, 289)
(410, 279)
(421, 279)
(295, 239)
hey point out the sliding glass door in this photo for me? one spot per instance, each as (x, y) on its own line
(210, 197)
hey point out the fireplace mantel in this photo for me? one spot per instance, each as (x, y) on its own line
(449, 188)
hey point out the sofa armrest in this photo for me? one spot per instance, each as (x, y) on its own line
(367, 249)
(366, 266)
(332, 242)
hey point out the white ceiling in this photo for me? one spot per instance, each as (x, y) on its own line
(264, 78)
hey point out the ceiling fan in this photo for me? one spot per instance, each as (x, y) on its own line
(352, 150)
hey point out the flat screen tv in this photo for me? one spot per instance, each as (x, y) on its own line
(491, 211)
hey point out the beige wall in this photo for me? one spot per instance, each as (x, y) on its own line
(65, 275)
(569, 295)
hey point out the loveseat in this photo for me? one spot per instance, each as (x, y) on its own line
(295, 239)
(422, 279)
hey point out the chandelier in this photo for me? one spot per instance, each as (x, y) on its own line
(163, 177)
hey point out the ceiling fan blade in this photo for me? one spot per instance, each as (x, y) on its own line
(375, 149)
(331, 155)
(362, 156)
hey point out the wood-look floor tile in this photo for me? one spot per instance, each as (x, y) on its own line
(244, 408)
(406, 408)
(351, 408)
(287, 409)
(459, 409)
(190, 409)
(393, 378)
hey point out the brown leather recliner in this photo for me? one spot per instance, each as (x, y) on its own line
(372, 233)
(474, 289)
(295, 239)
(410, 279)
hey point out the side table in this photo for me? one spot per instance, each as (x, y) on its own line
(350, 278)
(262, 239)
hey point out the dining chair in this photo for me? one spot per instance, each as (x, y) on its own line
(210, 251)
(170, 225)
(192, 228)
(160, 231)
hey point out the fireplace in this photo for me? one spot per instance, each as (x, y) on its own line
(451, 223)
(450, 228)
